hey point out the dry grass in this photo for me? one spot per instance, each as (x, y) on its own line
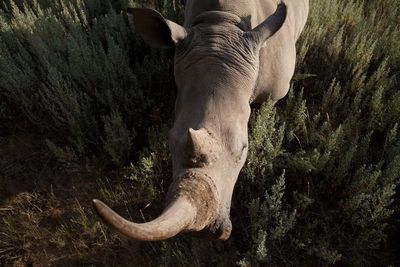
(47, 219)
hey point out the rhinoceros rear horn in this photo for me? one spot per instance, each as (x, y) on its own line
(155, 29)
(197, 140)
(177, 217)
(270, 26)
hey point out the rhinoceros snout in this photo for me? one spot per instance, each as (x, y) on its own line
(212, 218)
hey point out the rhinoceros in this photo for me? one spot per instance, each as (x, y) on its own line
(229, 54)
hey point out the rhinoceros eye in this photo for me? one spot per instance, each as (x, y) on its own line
(243, 150)
(240, 148)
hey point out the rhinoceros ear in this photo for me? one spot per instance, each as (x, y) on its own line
(270, 26)
(155, 29)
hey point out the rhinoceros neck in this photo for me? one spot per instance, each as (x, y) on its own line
(250, 12)
(219, 17)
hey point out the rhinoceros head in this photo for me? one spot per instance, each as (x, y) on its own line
(216, 68)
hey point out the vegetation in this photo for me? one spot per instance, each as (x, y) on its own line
(79, 86)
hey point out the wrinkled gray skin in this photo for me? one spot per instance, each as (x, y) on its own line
(229, 54)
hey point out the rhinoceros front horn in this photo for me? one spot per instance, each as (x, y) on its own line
(177, 216)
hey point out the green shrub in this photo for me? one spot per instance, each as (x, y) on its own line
(77, 70)
(323, 168)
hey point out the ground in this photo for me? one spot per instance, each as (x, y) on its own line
(46, 213)
(47, 218)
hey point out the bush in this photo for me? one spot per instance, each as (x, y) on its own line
(77, 71)
(323, 167)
